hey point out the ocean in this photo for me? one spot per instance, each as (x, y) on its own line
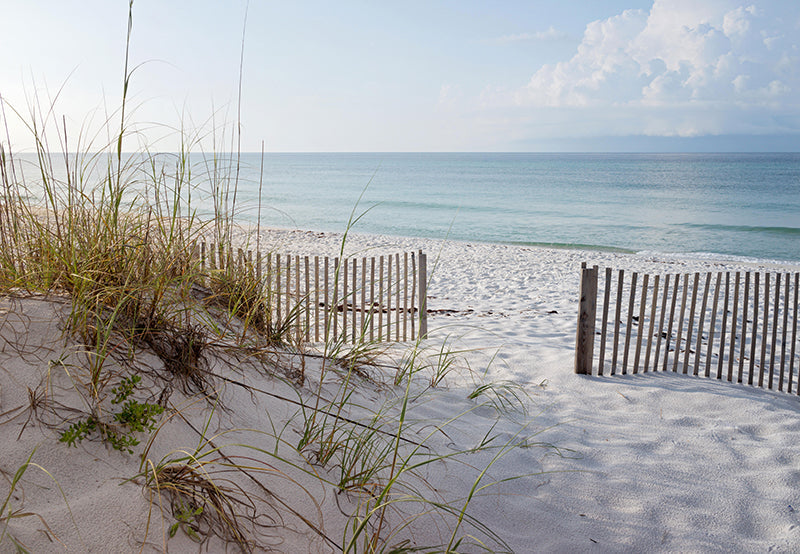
(730, 206)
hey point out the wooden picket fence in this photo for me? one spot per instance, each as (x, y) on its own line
(739, 326)
(380, 299)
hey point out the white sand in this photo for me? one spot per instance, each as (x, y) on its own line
(648, 462)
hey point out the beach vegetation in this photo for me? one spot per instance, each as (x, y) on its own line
(151, 333)
(120, 432)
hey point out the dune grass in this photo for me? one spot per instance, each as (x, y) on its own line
(117, 235)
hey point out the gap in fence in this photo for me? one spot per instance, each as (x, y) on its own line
(735, 326)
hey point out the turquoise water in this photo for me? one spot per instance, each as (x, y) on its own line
(707, 205)
(734, 205)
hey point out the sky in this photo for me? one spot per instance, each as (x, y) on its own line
(347, 76)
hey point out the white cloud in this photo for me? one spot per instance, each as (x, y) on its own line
(683, 68)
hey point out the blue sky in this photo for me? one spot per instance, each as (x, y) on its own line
(677, 75)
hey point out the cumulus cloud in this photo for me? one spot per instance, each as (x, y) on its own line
(685, 67)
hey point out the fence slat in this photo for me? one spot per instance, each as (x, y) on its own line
(316, 298)
(713, 327)
(765, 333)
(604, 325)
(724, 327)
(652, 322)
(629, 324)
(617, 317)
(337, 269)
(363, 308)
(413, 295)
(734, 315)
(699, 345)
(423, 295)
(642, 308)
(307, 301)
(755, 332)
(389, 298)
(372, 299)
(743, 341)
(775, 311)
(327, 309)
(584, 339)
(405, 296)
(690, 324)
(680, 323)
(785, 325)
(289, 288)
(380, 301)
(345, 294)
(278, 286)
(355, 292)
(397, 300)
(661, 322)
(794, 332)
(671, 320)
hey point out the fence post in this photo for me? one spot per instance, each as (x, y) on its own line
(423, 293)
(584, 338)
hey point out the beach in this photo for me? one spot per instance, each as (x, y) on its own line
(649, 462)
(175, 378)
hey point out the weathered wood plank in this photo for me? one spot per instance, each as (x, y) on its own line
(743, 341)
(640, 332)
(405, 296)
(713, 326)
(794, 330)
(327, 308)
(316, 298)
(423, 295)
(413, 295)
(307, 299)
(680, 323)
(775, 313)
(651, 328)
(584, 339)
(337, 269)
(783, 330)
(604, 325)
(278, 291)
(389, 298)
(617, 317)
(363, 307)
(661, 322)
(724, 327)
(397, 299)
(380, 302)
(764, 334)
(754, 334)
(703, 307)
(629, 323)
(345, 297)
(671, 320)
(734, 316)
(354, 323)
(372, 299)
(690, 323)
